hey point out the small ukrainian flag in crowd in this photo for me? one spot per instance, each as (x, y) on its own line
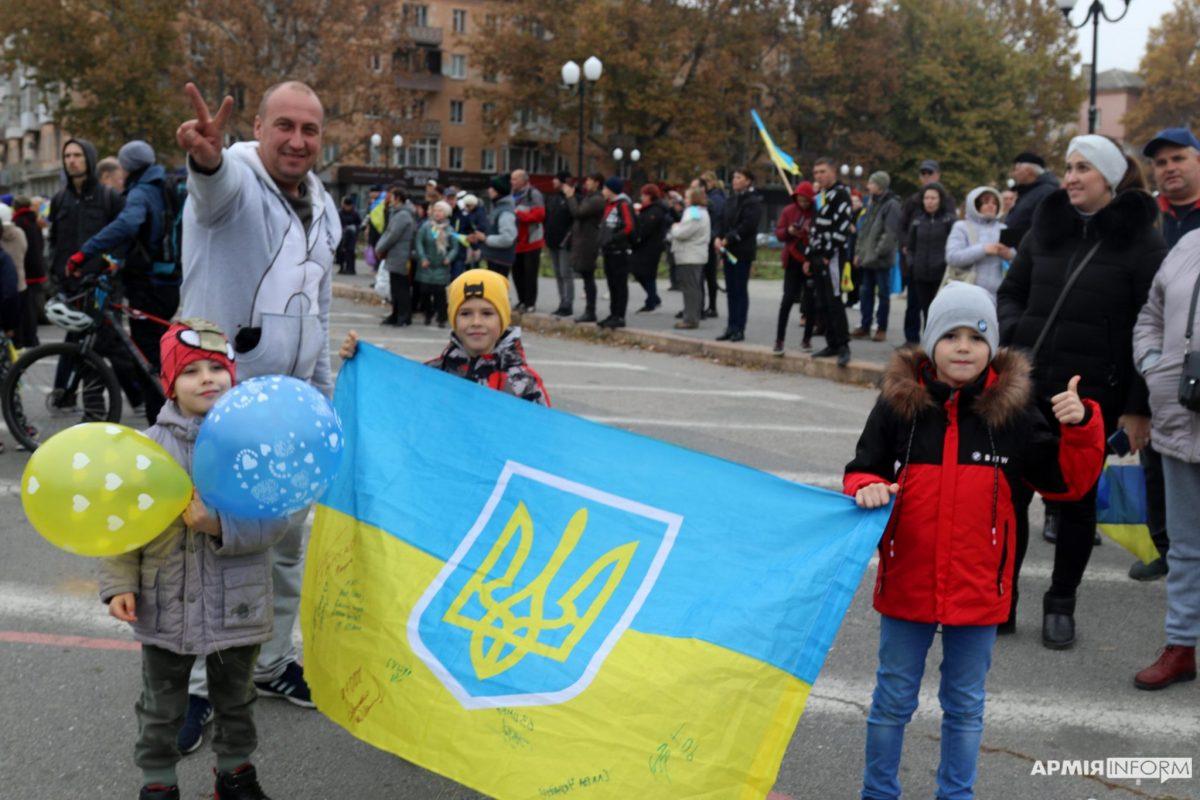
(533, 604)
(778, 157)
(378, 213)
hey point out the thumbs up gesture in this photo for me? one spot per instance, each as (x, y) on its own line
(1068, 408)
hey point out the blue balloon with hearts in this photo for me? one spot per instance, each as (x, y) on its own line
(269, 447)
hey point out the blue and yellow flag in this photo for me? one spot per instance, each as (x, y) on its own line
(778, 157)
(536, 605)
(378, 213)
(1121, 509)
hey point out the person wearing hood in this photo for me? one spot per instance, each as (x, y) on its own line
(150, 282)
(875, 252)
(1071, 298)
(616, 234)
(81, 208)
(1033, 184)
(259, 236)
(25, 218)
(500, 239)
(929, 171)
(793, 229)
(927, 235)
(974, 252)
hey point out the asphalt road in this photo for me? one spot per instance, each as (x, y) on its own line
(67, 703)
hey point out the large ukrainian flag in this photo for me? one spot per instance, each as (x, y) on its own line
(538, 606)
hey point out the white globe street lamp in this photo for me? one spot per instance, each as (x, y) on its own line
(397, 141)
(845, 170)
(592, 69)
(376, 140)
(570, 73)
(618, 154)
(635, 155)
(858, 170)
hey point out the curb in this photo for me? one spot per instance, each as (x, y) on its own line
(745, 356)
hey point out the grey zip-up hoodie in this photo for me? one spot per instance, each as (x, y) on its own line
(197, 594)
(249, 263)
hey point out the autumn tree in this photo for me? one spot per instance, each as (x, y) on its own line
(346, 50)
(1171, 69)
(678, 86)
(104, 67)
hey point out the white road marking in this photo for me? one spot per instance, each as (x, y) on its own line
(643, 422)
(1127, 717)
(578, 362)
(747, 394)
(825, 480)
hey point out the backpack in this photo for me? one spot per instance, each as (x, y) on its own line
(166, 260)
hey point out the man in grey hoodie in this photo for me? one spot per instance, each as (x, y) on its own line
(259, 237)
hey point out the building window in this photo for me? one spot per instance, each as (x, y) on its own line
(455, 158)
(561, 163)
(492, 22)
(489, 112)
(489, 76)
(375, 62)
(414, 110)
(416, 14)
(487, 161)
(456, 112)
(425, 153)
(460, 20)
(330, 153)
(458, 67)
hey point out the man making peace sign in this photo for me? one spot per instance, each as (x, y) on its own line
(259, 236)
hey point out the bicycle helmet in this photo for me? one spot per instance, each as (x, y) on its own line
(66, 317)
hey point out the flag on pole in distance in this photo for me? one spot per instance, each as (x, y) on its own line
(378, 213)
(778, 157)
(536, 605)
(1121, 509)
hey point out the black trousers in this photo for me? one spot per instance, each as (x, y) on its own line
(525, 277)
(1073, 550)
(503, 269)
(710, 280)
(793, 293)
(1156, 498)
(589, 290)
(616, 273)
(162, 302)
(828, 303)
(926, 291)
(432, 300)
(401, 298)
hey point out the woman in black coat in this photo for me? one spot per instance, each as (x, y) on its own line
(1103, 212)
(926, 244)
(649, 239)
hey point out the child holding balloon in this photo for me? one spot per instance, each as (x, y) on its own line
(202, 588)
(483, 347)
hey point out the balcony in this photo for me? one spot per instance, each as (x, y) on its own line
(533, 131)
(421, 82)
(424, 34)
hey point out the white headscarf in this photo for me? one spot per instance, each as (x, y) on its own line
(1102, 154)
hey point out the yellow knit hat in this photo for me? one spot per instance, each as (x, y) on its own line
(491, 286)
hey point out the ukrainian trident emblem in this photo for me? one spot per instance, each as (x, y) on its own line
(539, 591)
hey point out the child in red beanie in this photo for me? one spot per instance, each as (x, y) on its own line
(202, 588)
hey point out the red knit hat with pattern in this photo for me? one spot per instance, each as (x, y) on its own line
(192, 340)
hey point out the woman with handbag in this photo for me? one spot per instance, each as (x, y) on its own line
(1071, 298)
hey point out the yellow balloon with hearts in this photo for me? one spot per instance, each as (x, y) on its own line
(101, 489)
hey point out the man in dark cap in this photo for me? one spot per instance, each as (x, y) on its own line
(1175, 155)
(1033, 184)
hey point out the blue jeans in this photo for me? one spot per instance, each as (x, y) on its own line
(737, 293)
(875, 281)
(966, 657)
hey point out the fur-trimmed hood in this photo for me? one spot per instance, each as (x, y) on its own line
(1120, 223)
(999, 397)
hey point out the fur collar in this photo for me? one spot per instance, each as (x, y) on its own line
(1119, 223)
(1005, 393)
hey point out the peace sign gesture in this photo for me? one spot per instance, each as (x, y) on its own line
(201, 137)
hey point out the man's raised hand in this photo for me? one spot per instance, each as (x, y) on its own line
(201, 137)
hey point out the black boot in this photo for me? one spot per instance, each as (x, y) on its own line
(239, 784)
(587, 316)
(1058, 622)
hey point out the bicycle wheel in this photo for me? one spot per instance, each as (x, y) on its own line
(55, 386)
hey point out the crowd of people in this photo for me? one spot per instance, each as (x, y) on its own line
(1044, 324)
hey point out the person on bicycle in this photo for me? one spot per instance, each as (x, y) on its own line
(150, 283)
(259, 237)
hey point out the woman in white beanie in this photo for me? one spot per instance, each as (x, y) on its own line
(1070, 300)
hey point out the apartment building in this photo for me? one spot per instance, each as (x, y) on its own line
(30, 162)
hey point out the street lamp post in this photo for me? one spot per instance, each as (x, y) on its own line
(1094, 13)
(376, 141)
(397, 143)
(592, 69)
(618, 155)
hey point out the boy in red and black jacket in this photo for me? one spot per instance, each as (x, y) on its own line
(961, 425)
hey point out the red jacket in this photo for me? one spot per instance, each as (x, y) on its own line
(793, 244)
(947, 553)
(531, 213)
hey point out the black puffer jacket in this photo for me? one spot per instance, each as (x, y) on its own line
(927, 235)
(1092, 335)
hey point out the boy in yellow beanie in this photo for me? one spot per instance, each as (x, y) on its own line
(484, 346)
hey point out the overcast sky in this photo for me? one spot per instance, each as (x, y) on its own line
(1123, 43)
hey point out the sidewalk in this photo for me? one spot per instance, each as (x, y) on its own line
(656, 330)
